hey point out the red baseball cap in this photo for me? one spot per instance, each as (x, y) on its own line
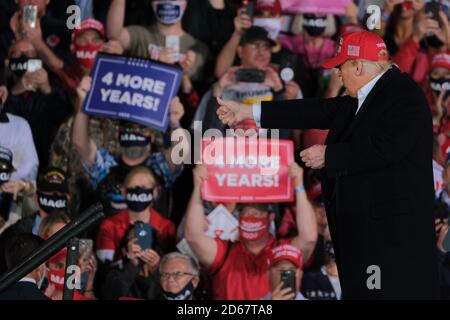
(440, 60)
(59, 256)
(89, 24)
(286, 252)
(273, 6)
(359, 45)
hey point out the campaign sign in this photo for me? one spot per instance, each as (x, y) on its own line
(243, 169)
(336, 7)
(133, 89)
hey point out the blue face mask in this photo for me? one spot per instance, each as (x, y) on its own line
(168, 11)
(185, 293)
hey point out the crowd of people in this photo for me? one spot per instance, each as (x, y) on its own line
(56, 160)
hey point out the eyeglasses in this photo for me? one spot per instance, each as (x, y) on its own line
(259, 46)
(175, 275)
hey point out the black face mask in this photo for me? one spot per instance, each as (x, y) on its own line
(314, 25)
(52, 203)
(433, 42)
(138, 199)
(19, 65)
(4, 176)
(437, 84)
(133, 139)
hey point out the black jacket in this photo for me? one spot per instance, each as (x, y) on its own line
(377, 184)
(23, 291)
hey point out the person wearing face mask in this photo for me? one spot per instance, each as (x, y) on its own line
(134, 275)
(179, 276)
(245, 261)
(312, 43)
(135, 148)
(267, 15)
(12, 192)
(32, 96)
(51, 196)
(413, 38)
(18, 248)
(139, 192)
(88, 38)
(56, 264)
(50, 36)
(437, 89)
(150, 41)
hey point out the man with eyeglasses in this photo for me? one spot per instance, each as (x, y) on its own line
(376, 170)
(179, 276)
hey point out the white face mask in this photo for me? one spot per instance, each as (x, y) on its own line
(272, 26)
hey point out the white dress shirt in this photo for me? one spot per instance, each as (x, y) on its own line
(362, 95)
(365, 90)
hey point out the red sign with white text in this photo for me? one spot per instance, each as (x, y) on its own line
(247, 170)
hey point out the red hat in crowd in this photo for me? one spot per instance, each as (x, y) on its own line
(273, 6)
(359, 45)
(441, 60)
(89, 24)
(286, 252)
(59, 256)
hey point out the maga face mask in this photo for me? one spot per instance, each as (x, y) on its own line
(138, 199)
(252, 228)
(272, 26)
(314, 25)
(185, 293)
(439, 84)
(19, 65)
(52, 203)
(56, 277)
(86, 54)
(4, 176)
(167, 11)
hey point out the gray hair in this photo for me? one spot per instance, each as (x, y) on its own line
(177, 255)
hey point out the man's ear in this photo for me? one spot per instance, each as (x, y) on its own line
(155, 192)
(6, 63)
(359, 68)
(195, 281)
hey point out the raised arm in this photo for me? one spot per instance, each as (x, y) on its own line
(85, 146)
(204, 247)
(114, 23)
(305, 216)
(227, 55)
(288, 114)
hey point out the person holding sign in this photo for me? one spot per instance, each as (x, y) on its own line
(376, 169)
(245, 262)
(135, 149)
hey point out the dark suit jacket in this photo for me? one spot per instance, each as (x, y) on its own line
(377, 183)
(23, 291)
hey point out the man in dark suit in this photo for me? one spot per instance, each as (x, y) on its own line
(376, 168)
(17, 249)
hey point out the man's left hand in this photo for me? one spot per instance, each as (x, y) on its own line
(314, 157)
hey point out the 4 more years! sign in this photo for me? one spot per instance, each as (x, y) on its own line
(138, 90)
(243, 169)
